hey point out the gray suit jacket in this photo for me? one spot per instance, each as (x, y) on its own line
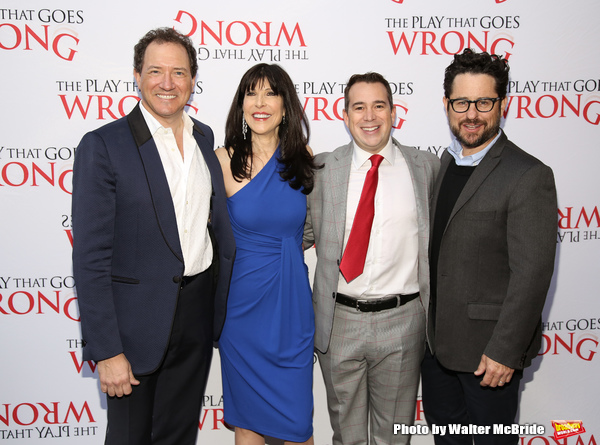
(496, 261)
(325, 223)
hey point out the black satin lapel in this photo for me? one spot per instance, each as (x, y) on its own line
(157, 181)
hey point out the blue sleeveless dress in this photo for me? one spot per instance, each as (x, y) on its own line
(267, 342)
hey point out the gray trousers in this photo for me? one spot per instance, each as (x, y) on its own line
(371, 372)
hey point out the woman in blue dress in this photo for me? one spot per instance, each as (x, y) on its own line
(266, 346)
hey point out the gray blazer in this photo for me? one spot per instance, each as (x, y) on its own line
(496, 261)
(325, 223)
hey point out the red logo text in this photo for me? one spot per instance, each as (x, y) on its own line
(240, 33)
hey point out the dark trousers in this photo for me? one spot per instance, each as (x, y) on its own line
(456, 398)
(165, 407)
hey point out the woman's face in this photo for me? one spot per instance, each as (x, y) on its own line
(263, 109)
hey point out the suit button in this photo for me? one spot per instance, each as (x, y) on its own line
(176, 279)
(338, 262)
(333, 295)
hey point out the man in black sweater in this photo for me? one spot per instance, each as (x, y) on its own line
(492, 258)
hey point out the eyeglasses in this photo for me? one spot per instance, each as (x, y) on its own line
(483, 105)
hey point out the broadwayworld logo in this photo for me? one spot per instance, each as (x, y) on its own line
(567, 428)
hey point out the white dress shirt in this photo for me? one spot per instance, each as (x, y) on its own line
(191, 189)
(391, 266)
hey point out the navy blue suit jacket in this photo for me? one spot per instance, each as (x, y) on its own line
(127, 258)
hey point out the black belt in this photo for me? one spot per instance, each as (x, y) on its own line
(377, 305)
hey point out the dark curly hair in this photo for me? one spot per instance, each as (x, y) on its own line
(478, 63)
(298, 166)
(164, 35)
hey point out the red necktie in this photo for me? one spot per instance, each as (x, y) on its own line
(353, 260)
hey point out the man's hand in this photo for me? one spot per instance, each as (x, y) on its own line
(116, 377)
(494, 373)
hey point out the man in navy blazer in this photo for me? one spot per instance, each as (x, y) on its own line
(492, 257)
(152, 251)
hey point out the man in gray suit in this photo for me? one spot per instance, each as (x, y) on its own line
(370, 309)
(492, 257)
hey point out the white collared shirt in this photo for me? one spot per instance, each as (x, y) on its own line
(391, 266)
(191, 189)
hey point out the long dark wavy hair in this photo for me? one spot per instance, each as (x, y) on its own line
(298, 165)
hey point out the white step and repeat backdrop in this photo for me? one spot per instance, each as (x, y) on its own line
(67, 69)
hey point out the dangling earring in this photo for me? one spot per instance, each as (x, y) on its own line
(244, 127)
(283, 120)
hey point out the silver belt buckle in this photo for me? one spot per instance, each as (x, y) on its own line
(358, 302)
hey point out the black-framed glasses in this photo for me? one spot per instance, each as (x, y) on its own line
(483, 105)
